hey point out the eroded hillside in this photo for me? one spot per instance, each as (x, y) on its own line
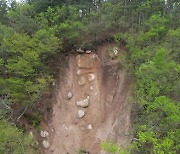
(92, 105)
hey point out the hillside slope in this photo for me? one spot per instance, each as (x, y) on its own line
(93, 79)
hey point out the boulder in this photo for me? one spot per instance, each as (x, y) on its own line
(44, 133)
(91, 77)
(81, 113)
(83, 103)
(69, 95)
(79, 72)
(46, 144)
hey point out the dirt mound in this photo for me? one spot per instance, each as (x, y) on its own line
(98, 110)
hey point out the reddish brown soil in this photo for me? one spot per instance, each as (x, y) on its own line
(108, 111)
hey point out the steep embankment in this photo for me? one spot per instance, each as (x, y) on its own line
(92, 105)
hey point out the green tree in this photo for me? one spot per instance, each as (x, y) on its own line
(21, 19)
(14, 141)
(3, 11)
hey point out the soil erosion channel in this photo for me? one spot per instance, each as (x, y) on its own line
(92, 105)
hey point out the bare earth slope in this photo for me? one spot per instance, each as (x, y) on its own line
(93, 79)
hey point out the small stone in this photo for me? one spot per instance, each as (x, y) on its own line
(44, 134)
(81, 81)
(88, 51)
(52, 130)
(46, 144)
(80, 50)
(91, 87)
(83, 103)
(89, 127)
(69, 95)
(78, 72)
(91, 77)
(81, 113)
(115, 50)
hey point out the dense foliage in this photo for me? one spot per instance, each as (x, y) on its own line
(14, 141)
(34, 31)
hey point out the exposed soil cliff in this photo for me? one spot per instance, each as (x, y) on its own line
(91, 105)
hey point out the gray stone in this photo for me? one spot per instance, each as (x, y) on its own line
(89, 127)
(81, 80)
(81, 113)
(91, 77)
(78, 72)
(44, 133)
(80, 50)
(88, 51)
(69, 95)
(83, 103)
(91, 88)
(115, 50)
(46, 144)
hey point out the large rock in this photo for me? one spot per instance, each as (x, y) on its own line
(44, 133)
(83, 103)
(46, 144)
(91, 77)
(81, 113)
(69, 95)
(85, 60)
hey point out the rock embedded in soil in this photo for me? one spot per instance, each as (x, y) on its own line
(115, 50)
(80, 50)
(69, 95)
(81, 113)
(89, 127)
(91, 88)
(78, 72)
(81, 80)
(44, 133)
(88, 51)
(46, 144)
(91, 77)
(83, 103)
